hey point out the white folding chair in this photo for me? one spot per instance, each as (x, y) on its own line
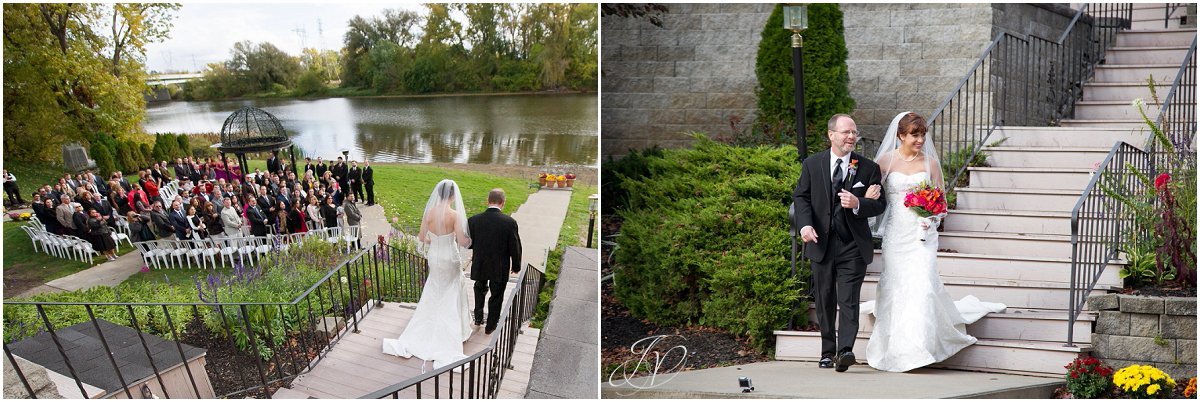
(246, 247)
(333, 235)
(350, 235)
(83, 249)
(228, 248)
(39, 244)
(179, 252)
(195, 252)
(264, 246)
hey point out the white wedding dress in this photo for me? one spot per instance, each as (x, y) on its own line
(441, 323)
(916, 322)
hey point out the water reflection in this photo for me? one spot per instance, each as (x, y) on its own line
(516, 129)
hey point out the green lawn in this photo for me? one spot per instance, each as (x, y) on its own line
(25, 269)
(31, 176)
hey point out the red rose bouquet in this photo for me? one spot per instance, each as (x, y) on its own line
(926, 200)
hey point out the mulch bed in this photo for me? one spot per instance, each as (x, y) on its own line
(231, 369)
(706, 347)
(1161, 291)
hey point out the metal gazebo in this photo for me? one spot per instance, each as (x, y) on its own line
(250, 130)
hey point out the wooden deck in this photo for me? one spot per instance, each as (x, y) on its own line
(357, 366)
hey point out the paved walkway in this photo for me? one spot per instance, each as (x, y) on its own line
(540, 220)
(780, 379)
(565, 365)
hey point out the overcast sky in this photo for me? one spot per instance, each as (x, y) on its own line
(205, 32)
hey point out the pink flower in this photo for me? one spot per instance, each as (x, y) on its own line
(1162, 180)
(145, 269)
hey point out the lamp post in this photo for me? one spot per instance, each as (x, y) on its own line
(593, 206)
(795, 19)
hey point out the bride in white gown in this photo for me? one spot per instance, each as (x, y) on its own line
(916, 321)
(440, 324)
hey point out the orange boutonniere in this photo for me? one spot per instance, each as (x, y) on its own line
(853, 168)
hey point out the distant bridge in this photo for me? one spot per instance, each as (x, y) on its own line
(168, 79)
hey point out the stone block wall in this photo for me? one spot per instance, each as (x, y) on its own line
(1155, 331)
(693, 74)
(697, 72)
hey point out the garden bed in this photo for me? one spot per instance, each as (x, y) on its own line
(231, 369)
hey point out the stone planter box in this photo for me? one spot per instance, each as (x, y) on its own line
(1155, 331)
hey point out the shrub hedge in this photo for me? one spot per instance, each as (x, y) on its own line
(705, 239)
(826, 76)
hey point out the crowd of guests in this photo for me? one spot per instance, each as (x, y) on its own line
(212, 201)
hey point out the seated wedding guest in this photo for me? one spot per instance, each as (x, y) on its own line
(160, 221)
(212, 220)
(100, 235)
(48, 218)
(139, 227)
(231, 219)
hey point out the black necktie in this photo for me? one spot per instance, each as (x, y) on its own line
(837, 177)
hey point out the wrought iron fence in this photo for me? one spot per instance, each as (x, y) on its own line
(1099, 220)
(281, 339)
(1022, 81)
(480, 374)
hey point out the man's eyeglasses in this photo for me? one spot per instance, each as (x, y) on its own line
(847, 132)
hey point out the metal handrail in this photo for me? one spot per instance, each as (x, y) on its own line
(519, 302)
(319, 300)
(1087, 264)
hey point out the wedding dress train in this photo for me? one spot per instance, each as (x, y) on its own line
(441, 323)
(916, 321)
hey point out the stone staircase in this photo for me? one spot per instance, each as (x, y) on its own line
(1008, 240)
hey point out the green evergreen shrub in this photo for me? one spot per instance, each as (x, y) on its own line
(633, 165)
(826, 77)
(125, 158)
(705, 240)
(103, 155)
(183, 149)
(146, 154)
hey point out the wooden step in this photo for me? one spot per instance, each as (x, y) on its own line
(1014, 294)
(1006, 221)
(1156, 37)
(1030, 177)
(1016, 199)
(1146, 55)
(1136, 72)
(1020, 357)
(1122, 91)
(1116, 110)
(1008, 268)
(1046, 157)
(1007, 244)
(1079, 135)
(1014, 324)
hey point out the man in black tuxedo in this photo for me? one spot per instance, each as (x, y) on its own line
(368, 177)
(832, 212)
(179, 220)
(308, 165)
(354, 178)
(320, 169)
(273, 163)
(258, 219)
(497, 245)
(340, 171)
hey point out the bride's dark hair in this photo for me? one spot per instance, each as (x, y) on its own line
(445, 191)
(911, 123)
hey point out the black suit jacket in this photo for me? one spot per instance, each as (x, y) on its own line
(368, 176)
(273, 165)
(257, 216)
(179, 223)
(815, 203)
(497, 244)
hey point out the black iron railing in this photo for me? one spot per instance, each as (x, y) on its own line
(1022, 81)
(1100, 222)
(479, 375)
(281, 339)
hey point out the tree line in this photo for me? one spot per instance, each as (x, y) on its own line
(451, 48)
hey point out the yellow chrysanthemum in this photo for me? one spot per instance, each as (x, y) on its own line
(1152, 389)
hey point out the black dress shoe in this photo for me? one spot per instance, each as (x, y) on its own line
(844, 361)
(490, 328)
(826, 362)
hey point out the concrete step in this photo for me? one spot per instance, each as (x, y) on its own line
(1155, 36)
(287, 393)
(1137, 126)
(1017, 200)
(1047, 157)
(1122, 91)
(1136, 72)
(1146, 55)
(1116, 110)
(989, 355)
(1157, 12)
(1030, 177)
(1075, 136)
(1014, 294)
(1007, 244)
(1006, 221)
(1007, 268)
(1014, 324)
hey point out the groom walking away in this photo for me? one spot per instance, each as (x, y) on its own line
(832, 213)
(497, 248)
